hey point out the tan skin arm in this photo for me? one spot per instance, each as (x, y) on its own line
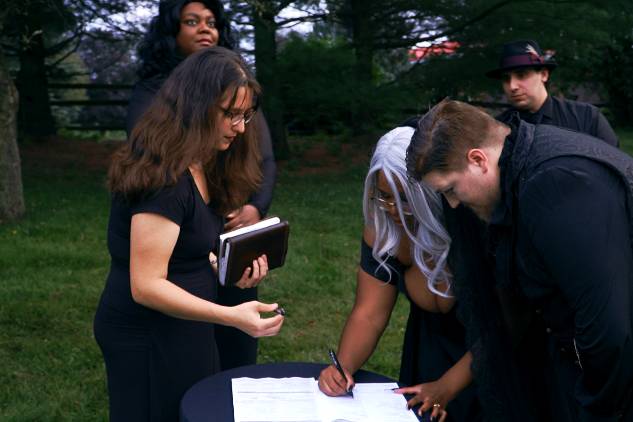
(152, 241)
(364, 326)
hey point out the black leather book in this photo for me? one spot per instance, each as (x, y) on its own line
(239, 248)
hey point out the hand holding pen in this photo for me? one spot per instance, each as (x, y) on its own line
(334, 380)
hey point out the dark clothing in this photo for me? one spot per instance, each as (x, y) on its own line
(433, 342)
(562, 237)
(151, 358)
(236, 347)
(574, 115)
(140, 100)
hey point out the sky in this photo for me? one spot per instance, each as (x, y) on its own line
(143, 14)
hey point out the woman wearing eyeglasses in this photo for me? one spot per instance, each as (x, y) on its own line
(405, 248)
(191, 158)
(181, 28)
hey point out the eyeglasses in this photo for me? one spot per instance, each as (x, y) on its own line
(387, 206)
(237, 118)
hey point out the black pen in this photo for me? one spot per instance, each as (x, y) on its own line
(338, 366)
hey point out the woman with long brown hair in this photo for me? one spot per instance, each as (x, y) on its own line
(181, 28)
(191, 157)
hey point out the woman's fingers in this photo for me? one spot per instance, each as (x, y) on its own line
(328, 386)
(260, 269)
(267, 327)
(426, 405)
(331, 382)
(443, 415)
(243, 283)
(273, 329)
(407, 390)
(254, 274)
(413, 401)
(437, 412)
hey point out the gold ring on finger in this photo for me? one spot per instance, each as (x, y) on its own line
(437, 405)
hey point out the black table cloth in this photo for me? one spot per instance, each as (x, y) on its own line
(211, 400)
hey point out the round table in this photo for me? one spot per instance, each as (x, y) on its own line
(211, 400)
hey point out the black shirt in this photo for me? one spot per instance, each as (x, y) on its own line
(575, 263)
(574, 115)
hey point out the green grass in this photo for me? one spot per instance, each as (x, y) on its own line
(54, 261)
(626, 139)
(52, 267)
(317, 284)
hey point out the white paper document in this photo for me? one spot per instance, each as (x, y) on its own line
(300, 400)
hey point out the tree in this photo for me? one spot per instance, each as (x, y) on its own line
(263, 14)
(616, 73)
(11, 196)
(29, 33)
(41, 35)
(582, 35)
(386, 26)
(263, 17)
(612, 62)
(111, 60)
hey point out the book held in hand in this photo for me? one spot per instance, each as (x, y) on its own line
(239, 248)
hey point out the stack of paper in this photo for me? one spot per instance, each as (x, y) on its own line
(300, 400)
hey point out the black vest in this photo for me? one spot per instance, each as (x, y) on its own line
(532, 145)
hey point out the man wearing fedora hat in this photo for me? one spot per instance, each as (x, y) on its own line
(524, 72)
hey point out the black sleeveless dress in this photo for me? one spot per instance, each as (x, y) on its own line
(433, 342)
(151, 358)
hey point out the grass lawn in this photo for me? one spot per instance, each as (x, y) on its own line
(53, 264)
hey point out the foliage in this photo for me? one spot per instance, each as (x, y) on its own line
(322, 100)
(579, 33)
(615, 72)
(360, 45)
(41, 37)
(110, 59)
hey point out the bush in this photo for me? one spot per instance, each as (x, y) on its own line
(320, 91)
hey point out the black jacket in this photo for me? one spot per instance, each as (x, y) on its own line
(574, 115)
(562, 238)
(140, 100)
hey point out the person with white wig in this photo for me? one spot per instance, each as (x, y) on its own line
(405, 248)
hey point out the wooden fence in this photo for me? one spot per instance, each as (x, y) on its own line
(492, 106)
(91, 103)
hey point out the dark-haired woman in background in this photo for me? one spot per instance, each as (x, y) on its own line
(181, 28)
(190, 159)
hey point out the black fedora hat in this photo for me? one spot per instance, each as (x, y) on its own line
(518, 54)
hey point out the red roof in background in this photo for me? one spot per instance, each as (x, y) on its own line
(445, 47)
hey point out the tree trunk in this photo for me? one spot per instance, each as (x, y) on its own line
(266, 65)
(11, 196)
(35, 118)
(362, 39)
